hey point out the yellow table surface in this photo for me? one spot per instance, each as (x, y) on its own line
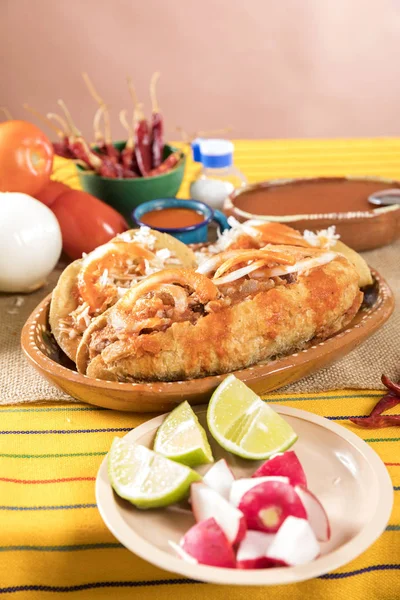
(53, 542)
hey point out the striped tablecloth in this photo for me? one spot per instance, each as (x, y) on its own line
(53, 542)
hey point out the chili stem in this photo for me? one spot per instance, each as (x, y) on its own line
(60, 132)
(153, 84)
(95, 161)
(100, 101)
(65, 127)
(124, 122)
(74, 129)
(132, 91)
(92, 90)
(6, 112)
(98, 135)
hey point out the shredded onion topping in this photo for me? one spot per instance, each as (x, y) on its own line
(239, 273)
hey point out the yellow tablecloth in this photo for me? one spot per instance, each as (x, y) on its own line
(52, 539)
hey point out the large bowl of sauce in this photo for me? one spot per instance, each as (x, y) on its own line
(321, 202)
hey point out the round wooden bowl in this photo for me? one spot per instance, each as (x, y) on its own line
(45, 355)
(318, 203)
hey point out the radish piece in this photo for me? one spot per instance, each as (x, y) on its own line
(207, 503)
(316, 514)
(207, 544)
(294, 544)
(287, 465)
(267, 505)
(182, 554)
(241, 486)
(252, 551)
(220, 478)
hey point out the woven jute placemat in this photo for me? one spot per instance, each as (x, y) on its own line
(361, 369)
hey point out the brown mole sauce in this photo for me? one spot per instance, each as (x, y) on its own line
(312, 196)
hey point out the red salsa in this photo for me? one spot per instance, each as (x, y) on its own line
(172, 218)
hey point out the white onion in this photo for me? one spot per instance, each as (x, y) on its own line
(30, 242)
(214, 262)
(299, 267)
(104, 278)
(239, 273)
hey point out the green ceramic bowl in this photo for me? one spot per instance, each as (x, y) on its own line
(126, 194)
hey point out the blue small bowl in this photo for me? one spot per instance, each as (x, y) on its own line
(193, 234)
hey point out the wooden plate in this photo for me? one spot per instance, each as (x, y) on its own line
(44, 354)
(346, 475)
(317, 203)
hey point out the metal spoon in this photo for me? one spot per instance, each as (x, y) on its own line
(385, 198)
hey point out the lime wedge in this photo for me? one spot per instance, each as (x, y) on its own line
(245, 425)
(145, 478)
(182, 439)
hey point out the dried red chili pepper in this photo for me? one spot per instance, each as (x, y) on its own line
(388, 401)
(142, 142)
(157, 125)
(61, 148)
(82, 152)
(393, 387)
(102, 164)
(77, 144)
(128, 152)
(98, 134)
(141, 135)
(376, 419)
(377, 422)
(64, 146)
(107, 147)
(129, 174)
(169, 163)
(110, 150)
(109, 168)
(128, 157)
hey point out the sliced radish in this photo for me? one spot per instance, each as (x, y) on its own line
(182, 554)
(207, 503)
(286, 465)
(252, 551)
(316, 514)
(241, 486)
(207, 544)
(268, 504)
(220, 478)
(294, 544)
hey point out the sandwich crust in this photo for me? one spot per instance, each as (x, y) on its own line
(274, 322)
(66, 298)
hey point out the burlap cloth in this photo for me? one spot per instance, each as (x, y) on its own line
(361, 369)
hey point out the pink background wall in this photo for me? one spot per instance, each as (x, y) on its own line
(268, 68)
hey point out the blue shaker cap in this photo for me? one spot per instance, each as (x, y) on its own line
(196, 154)
(216, 154)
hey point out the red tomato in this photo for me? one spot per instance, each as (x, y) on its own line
(86, 222)
(51, 191)
(26, 158)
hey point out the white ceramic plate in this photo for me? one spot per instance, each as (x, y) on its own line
(347, 476)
